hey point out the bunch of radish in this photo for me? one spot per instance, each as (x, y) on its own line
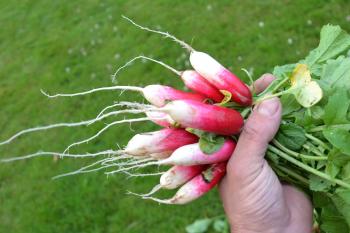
(200, 128)
(186, 117)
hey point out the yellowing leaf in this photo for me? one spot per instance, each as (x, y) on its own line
(309, 95)
(307, 92)
(301, 75)
(227, 97)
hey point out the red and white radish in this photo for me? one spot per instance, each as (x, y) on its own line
(210, 118)
(221, 77)
(197, 186)
(192, 154)
(162, 141)
(161, 119)
(157, 95)
(211, 70)
(192, 80)
(176, 176)
(189, 155)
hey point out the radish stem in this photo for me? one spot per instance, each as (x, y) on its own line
(298, 155)
(307, 168)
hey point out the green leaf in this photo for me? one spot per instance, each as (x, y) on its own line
(319, 184)
(209, 143)
(210, 146)
(199, 226)
(336, 75)
(289, 104)
(221, 225)
(338, 137)
(332, 169)
(337, 108)
(291, 136)
(333, 221)
(320, 199)
(344, 194)
(341, 200)
(345, 172)
(333, 42)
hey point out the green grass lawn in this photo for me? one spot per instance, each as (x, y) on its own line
(67, 46)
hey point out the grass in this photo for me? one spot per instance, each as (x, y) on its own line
(67, 46)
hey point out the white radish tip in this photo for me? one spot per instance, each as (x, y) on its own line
(205, 65)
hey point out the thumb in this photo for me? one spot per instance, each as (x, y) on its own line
(258, 131)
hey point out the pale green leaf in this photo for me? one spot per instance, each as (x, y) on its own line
(338, 137)
(199, 226)
(333, 42)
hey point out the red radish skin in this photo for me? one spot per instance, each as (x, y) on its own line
(197, 186)
(165, 140)
(210, 118)
(159, 95)
(220, 77)
(161, 119)
(197, 83)
(192, 154)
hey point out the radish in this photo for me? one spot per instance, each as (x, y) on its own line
(197, 186)
(211, 118)
(191, 79)
(162, 141)
(161, 119)
(157, 95)
(192, 155)
(197, 83)
(175, 177)
(211, 70)
(221, 77)
(189, 155)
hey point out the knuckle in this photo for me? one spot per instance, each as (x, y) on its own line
(252, 132)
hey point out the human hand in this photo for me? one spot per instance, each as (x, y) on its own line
(254, 199)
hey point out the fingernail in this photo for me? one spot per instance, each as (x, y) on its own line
(269, 107)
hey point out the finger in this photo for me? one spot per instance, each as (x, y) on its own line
(258, 131)
(263, 82)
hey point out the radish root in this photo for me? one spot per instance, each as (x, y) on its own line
(165, 34)
(74, 124)
(130, 62)
(84, 169)
(130, 88)
(104, 129)
(47, 153)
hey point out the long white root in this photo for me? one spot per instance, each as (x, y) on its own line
(130, 88)
(165, 34)
(74, 124)
(131, 61)
(48, 153)
(85, 168)
(104, 129)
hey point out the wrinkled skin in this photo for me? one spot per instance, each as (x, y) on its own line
(255, 201)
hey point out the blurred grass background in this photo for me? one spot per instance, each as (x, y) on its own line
(68, 46)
